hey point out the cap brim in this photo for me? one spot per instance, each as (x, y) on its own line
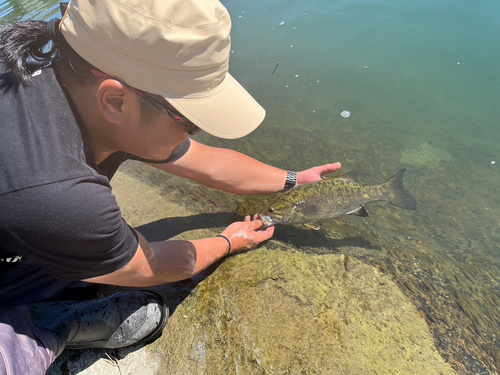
(228, 112)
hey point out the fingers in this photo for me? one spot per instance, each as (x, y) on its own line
(259, 234)
(330, 168)
(255, 224)
(265, 234)
(247, 234)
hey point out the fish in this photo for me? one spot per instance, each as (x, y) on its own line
(331, 198)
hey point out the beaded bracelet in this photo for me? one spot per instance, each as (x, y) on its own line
(229, 242)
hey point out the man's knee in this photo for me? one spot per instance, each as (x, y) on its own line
(24, 347)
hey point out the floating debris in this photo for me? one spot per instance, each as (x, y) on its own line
(345, 114)
(282, 23)
(296, 75)
(493, 162)
(276, 67)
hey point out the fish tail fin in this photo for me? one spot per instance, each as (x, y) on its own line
(398, 196)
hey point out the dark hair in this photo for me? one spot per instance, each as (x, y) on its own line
(27, 46)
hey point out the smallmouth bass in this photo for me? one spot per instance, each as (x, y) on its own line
(331, 198)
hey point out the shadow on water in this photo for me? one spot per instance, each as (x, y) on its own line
(319, 242)
(164, 229)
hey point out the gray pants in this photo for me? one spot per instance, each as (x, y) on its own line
(25, 348)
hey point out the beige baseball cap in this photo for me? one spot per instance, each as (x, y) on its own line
(178, 49)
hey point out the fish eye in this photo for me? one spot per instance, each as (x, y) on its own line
(271, 210)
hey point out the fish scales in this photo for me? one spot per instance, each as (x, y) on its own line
(332, 198)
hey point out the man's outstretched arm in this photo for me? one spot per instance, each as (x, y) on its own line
(235, 172)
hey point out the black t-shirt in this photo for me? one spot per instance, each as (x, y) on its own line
(56, 205)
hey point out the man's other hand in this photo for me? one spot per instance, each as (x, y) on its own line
(316, 173)
(246, 235)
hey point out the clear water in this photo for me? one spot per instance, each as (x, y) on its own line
(422, 83)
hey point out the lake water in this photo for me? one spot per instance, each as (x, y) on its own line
(421, 81)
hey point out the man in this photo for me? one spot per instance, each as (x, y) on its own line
(121, 80)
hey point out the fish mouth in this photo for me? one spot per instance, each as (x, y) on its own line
(266, 219)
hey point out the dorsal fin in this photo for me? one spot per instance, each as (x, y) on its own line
(350, 176)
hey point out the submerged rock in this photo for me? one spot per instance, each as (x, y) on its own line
(425, 156)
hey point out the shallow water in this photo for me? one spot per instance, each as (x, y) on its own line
(421, 82)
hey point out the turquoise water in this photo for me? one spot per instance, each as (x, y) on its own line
(433, 66)
(422, 83)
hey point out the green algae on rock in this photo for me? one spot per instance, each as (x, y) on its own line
(286, 312)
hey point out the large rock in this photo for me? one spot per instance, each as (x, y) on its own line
(284, 312)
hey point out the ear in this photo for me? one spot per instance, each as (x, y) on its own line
(112, 99)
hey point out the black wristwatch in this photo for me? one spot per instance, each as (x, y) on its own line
(291, 180)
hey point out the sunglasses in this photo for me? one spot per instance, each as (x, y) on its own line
(191, 128)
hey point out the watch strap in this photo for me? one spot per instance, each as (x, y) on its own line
(291, 180)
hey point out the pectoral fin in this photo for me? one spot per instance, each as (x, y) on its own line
(361, 211)
(313, 225)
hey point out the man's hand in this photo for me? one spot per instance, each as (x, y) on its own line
(316, 173)
(246, 235)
